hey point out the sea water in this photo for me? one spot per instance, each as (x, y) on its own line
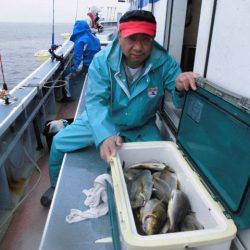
(18, 44)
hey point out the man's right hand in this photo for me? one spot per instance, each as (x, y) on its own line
(109, 147)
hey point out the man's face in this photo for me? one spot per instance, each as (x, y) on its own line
(136, 48)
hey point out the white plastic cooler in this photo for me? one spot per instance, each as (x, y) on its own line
(219, 230)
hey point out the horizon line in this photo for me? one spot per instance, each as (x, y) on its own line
(36, 22)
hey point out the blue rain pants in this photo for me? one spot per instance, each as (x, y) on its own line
(78, 135)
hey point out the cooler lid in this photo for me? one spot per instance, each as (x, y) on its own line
(215, 135)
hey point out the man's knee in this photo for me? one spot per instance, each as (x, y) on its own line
(58, 141)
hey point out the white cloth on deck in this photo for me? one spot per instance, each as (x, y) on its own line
(57, 125)
(97, 201)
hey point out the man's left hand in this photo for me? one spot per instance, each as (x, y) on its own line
(186, 80)
(109, 147)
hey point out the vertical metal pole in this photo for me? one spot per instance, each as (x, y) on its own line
(170, 24)
(210, 39)
(53, 24)
(76, 10)
(4, 82)
(37, 135)
(5, 195)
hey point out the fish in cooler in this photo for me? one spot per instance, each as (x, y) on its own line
(190, 223)
(178, 207)
(159, 206)
(153, 215)
(156, 166)
(140, 189)
(130, 174)
(164, 182)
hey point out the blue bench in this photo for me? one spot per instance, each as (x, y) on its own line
(79, 170)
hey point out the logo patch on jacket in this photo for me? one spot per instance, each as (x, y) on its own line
(152, 92)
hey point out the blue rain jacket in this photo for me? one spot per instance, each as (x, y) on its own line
(115, 108)
(83, 38)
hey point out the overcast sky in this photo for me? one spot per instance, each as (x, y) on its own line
(41, 10)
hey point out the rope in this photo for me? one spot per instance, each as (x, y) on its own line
(55, 86)
(44, 86)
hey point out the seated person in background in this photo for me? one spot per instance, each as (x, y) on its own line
(125, 87)
(86, 45)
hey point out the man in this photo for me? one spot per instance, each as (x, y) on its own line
(93, 19)
(126, 83)
(86, 45)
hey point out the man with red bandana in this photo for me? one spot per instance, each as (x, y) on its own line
(93, 19)
(125, 87)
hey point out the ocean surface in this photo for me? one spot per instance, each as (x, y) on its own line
(18, 44)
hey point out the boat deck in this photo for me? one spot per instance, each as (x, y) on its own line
(79, 170)
(27, 225)
(24, 230)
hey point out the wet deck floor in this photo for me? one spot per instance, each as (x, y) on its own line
(26, 228)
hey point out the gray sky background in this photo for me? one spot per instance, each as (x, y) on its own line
(41, 10)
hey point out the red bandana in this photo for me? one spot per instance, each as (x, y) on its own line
(136, 27)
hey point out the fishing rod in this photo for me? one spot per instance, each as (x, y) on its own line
(4, 92)
(76, 10)
(53, 45)
(5, 87)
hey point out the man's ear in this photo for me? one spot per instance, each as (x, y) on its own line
(119, 34)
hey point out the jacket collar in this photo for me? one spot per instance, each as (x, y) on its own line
(156, 58)
(115, 56)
